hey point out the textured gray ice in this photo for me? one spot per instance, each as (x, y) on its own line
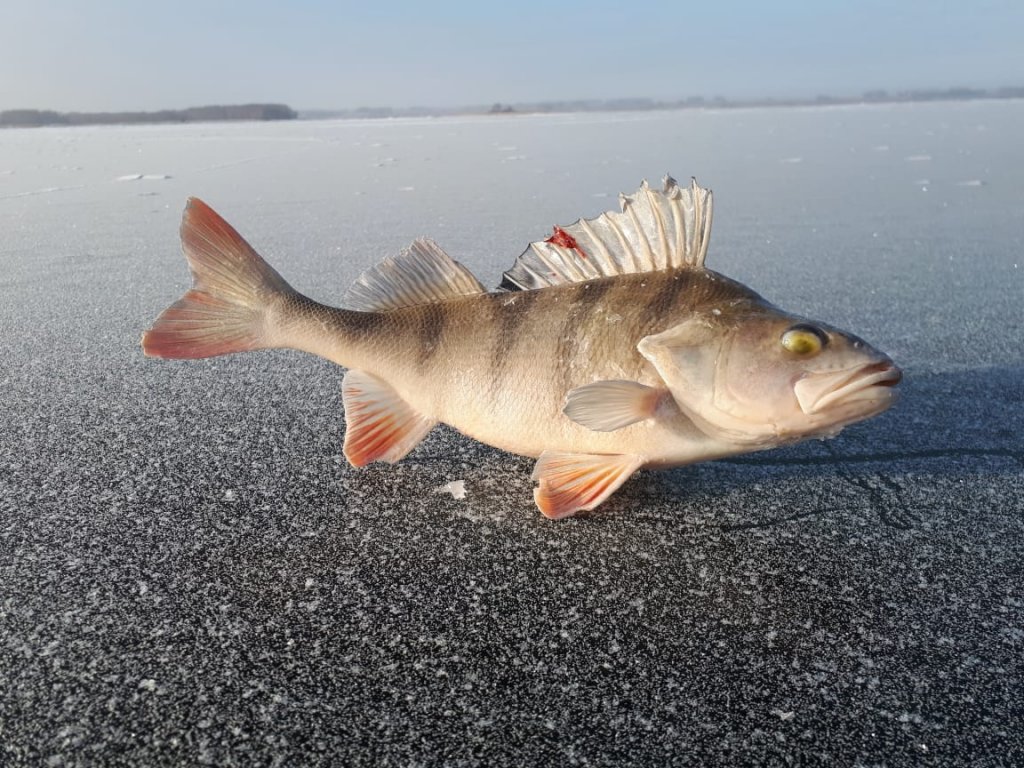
(190, 573)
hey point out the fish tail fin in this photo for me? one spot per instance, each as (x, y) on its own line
(229, 307)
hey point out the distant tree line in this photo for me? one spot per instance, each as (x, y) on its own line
(35, 117)
(38, 117)
(720, 102)
(692, 102)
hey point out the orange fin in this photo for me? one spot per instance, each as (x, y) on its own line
(570, 482)
(231, 286)
(379, 425)
(606, 406)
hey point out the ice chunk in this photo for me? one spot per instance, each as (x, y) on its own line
(457, 488)
(143, 177)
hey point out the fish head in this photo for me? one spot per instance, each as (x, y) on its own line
(761, 377)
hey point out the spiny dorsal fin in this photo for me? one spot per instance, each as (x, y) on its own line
(421, 274)
(656, 230)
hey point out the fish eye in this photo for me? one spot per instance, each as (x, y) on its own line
(804, 340)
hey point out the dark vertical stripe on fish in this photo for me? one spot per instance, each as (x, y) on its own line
(509, 311)
(585, 299)
(662, 303)
(358, 324)
(429, 331)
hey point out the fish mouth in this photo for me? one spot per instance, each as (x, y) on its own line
(869, 385)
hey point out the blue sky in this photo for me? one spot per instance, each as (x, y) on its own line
(120, 55)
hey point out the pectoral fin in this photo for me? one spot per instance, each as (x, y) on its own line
(379, 425)
(570, 482)
(606, 406)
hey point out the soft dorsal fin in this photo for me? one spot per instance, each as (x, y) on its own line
(421, 274)
(656, 230)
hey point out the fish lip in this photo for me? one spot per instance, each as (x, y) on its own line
(873, 382)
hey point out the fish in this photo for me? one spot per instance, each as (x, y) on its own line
(609, 347)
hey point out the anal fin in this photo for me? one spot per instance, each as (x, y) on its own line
(379, 425)
(571, 482)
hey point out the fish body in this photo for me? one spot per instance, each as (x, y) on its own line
(610, 348)
(500, 364)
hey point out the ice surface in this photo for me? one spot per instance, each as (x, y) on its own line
(191, 572)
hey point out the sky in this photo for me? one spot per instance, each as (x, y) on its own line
(120, 55)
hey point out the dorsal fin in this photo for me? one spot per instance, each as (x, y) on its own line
(422, 274)
(656, 230)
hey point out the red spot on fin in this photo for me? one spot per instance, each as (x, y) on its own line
(562, 238)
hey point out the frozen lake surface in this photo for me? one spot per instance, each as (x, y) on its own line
(191, 573)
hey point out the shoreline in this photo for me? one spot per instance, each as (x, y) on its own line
(38, 118)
